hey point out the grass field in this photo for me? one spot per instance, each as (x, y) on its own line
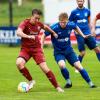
(43, 90)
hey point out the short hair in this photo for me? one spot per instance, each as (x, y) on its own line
(36, 11)
(63, 16)
(83, 0)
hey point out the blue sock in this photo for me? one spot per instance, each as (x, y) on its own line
(85, 75)
(98, 56)
(65, 73)
(80, 58)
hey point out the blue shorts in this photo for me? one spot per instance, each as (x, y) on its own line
(90, 42)
(71, 57)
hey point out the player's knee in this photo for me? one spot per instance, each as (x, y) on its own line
(82, 53)
(44, 67)
(19, 63)
(97, 50)
(61, 64)
(78, 65)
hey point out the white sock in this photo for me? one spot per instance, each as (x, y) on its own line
(69, 81)
(90, 83)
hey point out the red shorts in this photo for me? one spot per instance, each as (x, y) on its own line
(36, 53)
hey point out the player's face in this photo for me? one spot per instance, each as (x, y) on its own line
(80, 3)
(35, 18)
(63, 23)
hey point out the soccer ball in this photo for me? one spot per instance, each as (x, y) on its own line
(23, 87)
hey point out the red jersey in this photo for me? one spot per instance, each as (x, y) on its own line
(98, 16)
(30, 29)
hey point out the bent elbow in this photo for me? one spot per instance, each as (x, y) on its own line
(18, 33)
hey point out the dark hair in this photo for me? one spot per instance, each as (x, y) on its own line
(36, 11)
(63, 16)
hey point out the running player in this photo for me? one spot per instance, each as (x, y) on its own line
(28, 30)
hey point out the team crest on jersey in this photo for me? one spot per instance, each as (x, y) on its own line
(86, 14)
(39, 27)
(77, 14)
(59, 32)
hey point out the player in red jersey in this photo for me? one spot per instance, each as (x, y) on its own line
(28, 30)
(94, 23)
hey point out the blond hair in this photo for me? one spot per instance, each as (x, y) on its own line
(63, 16)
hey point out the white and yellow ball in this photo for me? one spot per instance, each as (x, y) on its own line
(23, 87)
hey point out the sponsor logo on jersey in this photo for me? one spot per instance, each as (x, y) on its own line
(63, 40)
(82, 21)
(77, 14)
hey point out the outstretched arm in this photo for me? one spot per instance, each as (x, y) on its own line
(78, 31)
(47, 28)
(42, 39)
(93, 26)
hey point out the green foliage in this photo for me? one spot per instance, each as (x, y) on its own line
(43, 90)
(19, 13)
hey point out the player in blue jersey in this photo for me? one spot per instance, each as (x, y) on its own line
(81, 16)
(63, 50)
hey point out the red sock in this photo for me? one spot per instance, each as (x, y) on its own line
(26, 73)
(52, 79)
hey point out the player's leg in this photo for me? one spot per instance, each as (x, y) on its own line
(84, 73)
(60, 59)
(40, 60)
(20, 62)
(97, 51)
(73, 60)
(81, 47)
(50, 76)
(91, 43)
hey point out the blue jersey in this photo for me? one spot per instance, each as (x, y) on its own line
(80, 17)
(63, 41)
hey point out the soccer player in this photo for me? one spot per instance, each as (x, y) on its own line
(28, 30)
(94, 23)
(63, 50)
(81, 16)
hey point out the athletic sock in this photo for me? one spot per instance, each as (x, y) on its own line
(65, 74)
(98, 56)
(26, 73)
(52, 79)
(91, 84)
(85, 75)
(80, 58)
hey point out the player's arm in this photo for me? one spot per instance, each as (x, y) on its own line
(45, 34)
(47, 28)
(93, 26)
(43, 39)
(89, 22)
(78, 31)
(21, 34)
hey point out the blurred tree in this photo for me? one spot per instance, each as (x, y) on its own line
(4, 1)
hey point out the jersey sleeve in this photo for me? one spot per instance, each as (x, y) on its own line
(98, 16)
(89, 13)
(41, 25)
(48, 33)
(72, 25)
(71, 17)
(22, 25)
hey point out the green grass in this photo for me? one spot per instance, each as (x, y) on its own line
(43, 90)
(19, 13)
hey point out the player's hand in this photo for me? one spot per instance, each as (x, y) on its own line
(56, 36)
(86, 36)
(93, 34)
(31, 37)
